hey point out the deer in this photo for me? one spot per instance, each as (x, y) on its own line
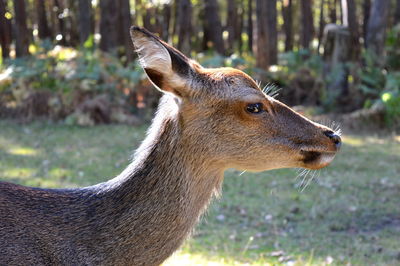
(208, 120)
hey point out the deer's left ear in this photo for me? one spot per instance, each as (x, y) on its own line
(167, 68)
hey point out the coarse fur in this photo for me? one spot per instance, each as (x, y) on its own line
(201, 128)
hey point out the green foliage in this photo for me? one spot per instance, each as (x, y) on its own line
(62, 71)
(295, 60)
(391, 100)
(393, 48)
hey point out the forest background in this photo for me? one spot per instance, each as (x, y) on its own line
(73, 61)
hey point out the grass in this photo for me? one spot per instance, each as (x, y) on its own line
(350, 214)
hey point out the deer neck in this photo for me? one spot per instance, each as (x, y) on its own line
(162, 194)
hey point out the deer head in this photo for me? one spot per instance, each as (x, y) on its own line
(223, 111)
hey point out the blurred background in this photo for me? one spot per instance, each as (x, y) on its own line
(73, 60)
(74, 103)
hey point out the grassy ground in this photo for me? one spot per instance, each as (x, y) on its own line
(350, 214)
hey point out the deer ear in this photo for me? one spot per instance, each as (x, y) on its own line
(167, 68)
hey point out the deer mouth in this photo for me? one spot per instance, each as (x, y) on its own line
(316, 159)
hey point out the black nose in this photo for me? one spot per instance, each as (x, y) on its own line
(334, 137)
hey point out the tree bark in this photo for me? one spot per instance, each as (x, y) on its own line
(350, 21)
(377, 27)
(184, 26)
(272, 32)
(85, 20)
(332, 11)
(5, 31)
(212, 25)
(108, 22)
(307, 26)
(232, 25)
(58, 10)
(397, 13)
(287, 24)
(166, 21)
(125, 23)
(21, 29)
(261, 36)
(240, 27)
(43, 27)
(321, 24)
(250, 25)
(366, 13)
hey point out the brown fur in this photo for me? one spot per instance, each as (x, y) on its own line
(143, 215)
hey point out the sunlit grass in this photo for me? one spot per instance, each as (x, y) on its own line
(20, 173)
(349, 215)
(353, 141)
(22, 151)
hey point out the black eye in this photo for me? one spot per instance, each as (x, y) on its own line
(254, 108)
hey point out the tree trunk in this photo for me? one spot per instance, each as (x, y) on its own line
(307, 26)
(166, 21)
(350, 21)
(321, 24)
(85, 20)
(108, 22)
(184, 26)
(287, 24)
(43, 27)
(240, 27)
(58, 10)
(5, 31)
(332, 11)
(125, 23)
(261, 36)
(250, 24)
(366, 12)
(212, 25)
(336, 55)
(397, 13)
(341, 11)
(272, 32)
(376, 28)
(21, 29)
(232, 25)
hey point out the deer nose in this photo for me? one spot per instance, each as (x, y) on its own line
(334, 137)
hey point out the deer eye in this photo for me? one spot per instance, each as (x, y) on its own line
(254, 108)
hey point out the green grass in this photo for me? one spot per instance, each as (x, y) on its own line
(350, 214)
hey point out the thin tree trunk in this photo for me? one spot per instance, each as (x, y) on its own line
(85, 20)
(5, 31)
(58, 9)
(232, 25)
(287, 24)
(240, 27)
(350, 20)
(307, 29)
(184, 26)
(332, 11)
(175, 20)
(321, 24)
(21, 29)
(261, 36)
(272, 32)
(43, 27)
(166, 21)
(212, 25)
(125, 22)
(341, 11)
(397, 13)
(366, 13)
(250, 24)
(108, 22)
(377, 27)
